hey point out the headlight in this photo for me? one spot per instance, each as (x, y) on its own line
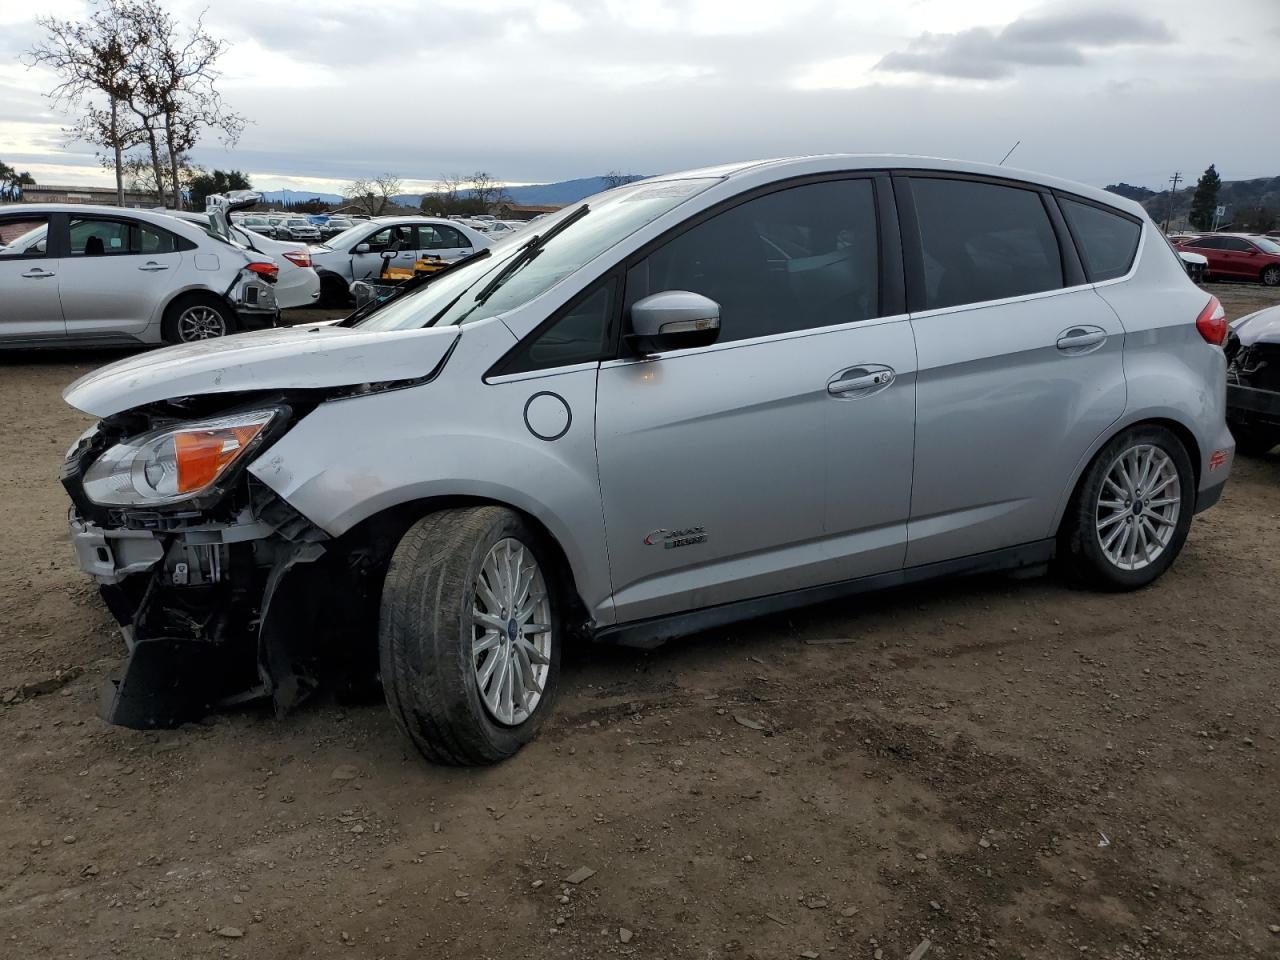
(174, 463)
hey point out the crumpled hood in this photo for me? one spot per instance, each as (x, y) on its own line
(302, 357)
(1263, 325)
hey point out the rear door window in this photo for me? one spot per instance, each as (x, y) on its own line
(983, 241)
(100, 237)
(1107, 241)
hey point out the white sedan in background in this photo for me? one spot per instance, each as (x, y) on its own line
(297, 285)
(356, 253)
(76, 274)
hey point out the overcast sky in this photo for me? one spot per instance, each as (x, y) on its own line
(541, 90)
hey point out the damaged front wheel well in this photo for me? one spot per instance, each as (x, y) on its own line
(381, 532)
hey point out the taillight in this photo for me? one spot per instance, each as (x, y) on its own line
(1212, 323)
(268, 270)
(299, 258)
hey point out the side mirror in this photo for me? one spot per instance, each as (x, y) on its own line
(673, 320)
(360, 248)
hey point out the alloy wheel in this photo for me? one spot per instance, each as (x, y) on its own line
(511, 632)
(1271, 276)
(1138, 506)
(200, 322)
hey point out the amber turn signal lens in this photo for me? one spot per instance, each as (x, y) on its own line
(202, 455)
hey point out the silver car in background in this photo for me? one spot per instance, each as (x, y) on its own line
(683, 402)
(357, 253)
(92, 275)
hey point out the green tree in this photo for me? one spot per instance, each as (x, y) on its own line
(12, 182)
(1205, 200)
(219, 181)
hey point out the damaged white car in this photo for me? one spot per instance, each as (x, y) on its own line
(82, 275)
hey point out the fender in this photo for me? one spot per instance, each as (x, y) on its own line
(353, 458)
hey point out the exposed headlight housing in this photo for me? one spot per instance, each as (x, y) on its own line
(174, 463)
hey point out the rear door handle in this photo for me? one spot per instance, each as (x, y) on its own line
(858, 379)
(151, 266)
(35, 273)
(1081, 339)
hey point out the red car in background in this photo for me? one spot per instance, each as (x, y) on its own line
(1238, 256)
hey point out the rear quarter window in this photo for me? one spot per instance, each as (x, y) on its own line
(1107, 241)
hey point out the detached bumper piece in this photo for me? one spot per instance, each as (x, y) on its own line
(167, 681)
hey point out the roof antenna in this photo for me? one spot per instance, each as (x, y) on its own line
(1009, 154)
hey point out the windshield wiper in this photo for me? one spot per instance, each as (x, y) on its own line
(528, 252)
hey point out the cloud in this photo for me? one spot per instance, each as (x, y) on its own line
(1046, 40)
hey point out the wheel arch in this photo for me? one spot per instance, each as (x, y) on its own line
(387, 525)
(1175, 426)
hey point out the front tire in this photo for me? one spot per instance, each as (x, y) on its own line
(195, 317)
(1271, 275)
(469, 635)
(1131, 512)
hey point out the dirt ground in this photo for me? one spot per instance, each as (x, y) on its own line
(1003, 768)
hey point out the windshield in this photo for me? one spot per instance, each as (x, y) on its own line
(1267, 246)
(610, 218)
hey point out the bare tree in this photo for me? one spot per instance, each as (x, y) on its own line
(616, 178)
(158, 82)
(178, 82)
(485, 189)
(373, 195)
(94, 58)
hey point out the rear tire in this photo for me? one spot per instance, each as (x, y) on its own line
(437, 635)
(334, 291)
(1123, 534)
(197, 316)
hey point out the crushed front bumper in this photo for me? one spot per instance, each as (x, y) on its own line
(206, 612)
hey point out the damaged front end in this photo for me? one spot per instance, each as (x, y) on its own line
(1253, 373)
(223, 594)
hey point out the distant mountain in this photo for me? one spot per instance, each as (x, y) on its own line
(1252, 202)
(1129, 191)
(298, 196)
(561, 192)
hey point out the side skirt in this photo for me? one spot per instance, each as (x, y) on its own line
(656, 631)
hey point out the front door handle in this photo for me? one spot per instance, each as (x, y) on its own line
(151, 266)
(35, 273)
(860, 379)
(1081, 339)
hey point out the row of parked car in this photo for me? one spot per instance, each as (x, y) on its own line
(280, 226)
(92, 275)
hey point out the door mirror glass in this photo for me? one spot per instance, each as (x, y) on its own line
(360, 248)
(673, 320)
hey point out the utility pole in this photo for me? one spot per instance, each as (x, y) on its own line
(1168, 210)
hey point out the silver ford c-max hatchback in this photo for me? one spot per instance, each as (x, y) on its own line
(686, 401)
